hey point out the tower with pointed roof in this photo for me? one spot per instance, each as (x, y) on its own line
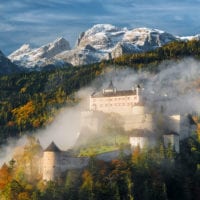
(56, 162)
(51, 169)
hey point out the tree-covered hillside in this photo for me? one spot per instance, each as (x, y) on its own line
(174, 50)
(155, 174)
(30, 100)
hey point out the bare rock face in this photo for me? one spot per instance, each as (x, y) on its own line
(114, 41)
(27, 57)
(147, 39)
(80, 56)
(124, 48)
(101, 36)
(102, 41)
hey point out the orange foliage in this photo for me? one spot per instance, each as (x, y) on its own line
(10, 123)
(5, 176)
(136, 155)
(87, 179)
(36, 123)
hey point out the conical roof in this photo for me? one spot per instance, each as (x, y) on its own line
(52, 147)
(110, 86)
(4, 166)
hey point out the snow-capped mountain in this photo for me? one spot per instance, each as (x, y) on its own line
(102, 41)
(6, 66)
(27, 57)
(186, 38)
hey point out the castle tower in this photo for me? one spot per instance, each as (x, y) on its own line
(138, 93)
(110, 88)
(51, 157)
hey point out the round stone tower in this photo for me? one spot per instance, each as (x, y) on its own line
(51, 157)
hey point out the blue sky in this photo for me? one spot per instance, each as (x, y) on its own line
(39, 22)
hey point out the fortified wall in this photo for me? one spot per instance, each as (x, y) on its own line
(56, 162)
(136, 119)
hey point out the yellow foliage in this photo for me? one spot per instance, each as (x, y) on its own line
(36, 123)
(23, 113)
(23, 196)
(135, 155)
(23, 90)
(5, 176)
(87, 179)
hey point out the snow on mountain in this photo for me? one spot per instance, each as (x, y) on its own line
(147, 39)
(102, 41)
(111, 41)
(186, 38)
(101, 36)
(27, 57)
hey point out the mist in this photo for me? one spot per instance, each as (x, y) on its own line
(175, 87)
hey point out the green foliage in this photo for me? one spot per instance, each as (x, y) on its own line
(150, 60)
(153, 174)
(30, 100)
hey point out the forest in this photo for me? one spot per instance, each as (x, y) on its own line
(31, 100)
(147, 174)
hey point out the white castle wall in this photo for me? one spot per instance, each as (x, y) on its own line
(142, 142)
(138, 142)
(89, 121)
(118, 104)
(138, 119)
(175, 123)
(172, 140)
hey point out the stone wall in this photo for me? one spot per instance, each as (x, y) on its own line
(55, 163)
(51, 162)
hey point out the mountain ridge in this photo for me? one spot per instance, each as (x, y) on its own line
(100, 42)
(6, 66)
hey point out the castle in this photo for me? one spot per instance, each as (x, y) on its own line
(137, 120)
(126, 103)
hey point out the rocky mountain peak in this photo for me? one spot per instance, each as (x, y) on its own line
(101, 41)
(25, 56)
(99, 28)
(101, 36)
